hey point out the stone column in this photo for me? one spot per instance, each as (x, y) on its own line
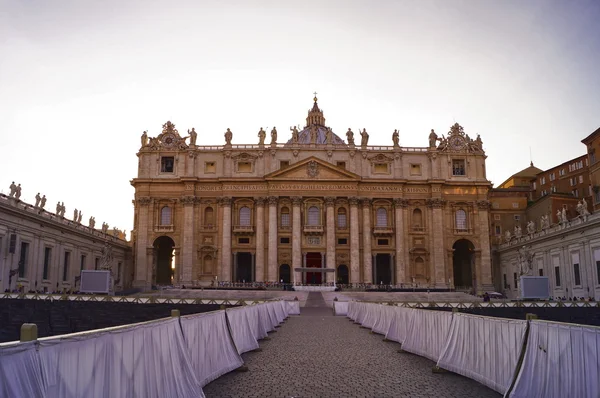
(259, 267)
(226, 243)
(272, 255)
(484, 237)
(437, 233)
(296, 238)
(330, 262)
(367, 256)
(354, 243)
(399, 205)
(188, 255)
(143, 267)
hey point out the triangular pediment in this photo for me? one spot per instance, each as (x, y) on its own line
(312, 169)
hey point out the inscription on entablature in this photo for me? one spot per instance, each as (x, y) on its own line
(312, 187)
(460, 191)
(191, 187)
(381, 188)
(245, 187)
(416, 190)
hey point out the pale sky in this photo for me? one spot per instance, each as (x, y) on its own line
(80, 80)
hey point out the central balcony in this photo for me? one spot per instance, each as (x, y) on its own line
(243, 229)
(383, 231)
(164, 228)
(313, 230)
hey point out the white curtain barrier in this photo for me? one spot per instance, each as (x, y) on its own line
(20, 371)
(144, 360)
(561, 360)
(400, 324)
(484, 349)
(256, 324)
(210, 347)
(241, 330)
(293, 307)
(361, 313)
(340, 308)
(272, 316)
(372, 315)
(382, 324)
(280, 314)
(428, 333)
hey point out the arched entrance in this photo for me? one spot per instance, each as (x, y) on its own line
(163, 247)
(284, 273)
(463, 263)
(342, 275)
(383, 269)
(244, 267)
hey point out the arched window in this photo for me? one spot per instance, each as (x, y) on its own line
(417, 219)
(209, 216)
(313, 216)
(461, 219)
(165, 216)
(342, 218)
(244, 215)
(382, 220)
(285, 217)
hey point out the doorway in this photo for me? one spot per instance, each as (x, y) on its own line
(313, 260)
(165, 268)
(342, 275)
(244, 271)
(383, 269)
(284, 273)
(462, 263)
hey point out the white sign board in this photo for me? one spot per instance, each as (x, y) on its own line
(95, 281)
(535, 287)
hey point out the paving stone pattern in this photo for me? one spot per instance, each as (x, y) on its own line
(317, 354)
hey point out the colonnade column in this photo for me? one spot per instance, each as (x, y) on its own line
(259, 266)
(226, 243)
(296, 238)
(330, 260)
(367, 256)
(399, 205)
(142, 265)
(484, 233)
(272, 255)
(187, 263)
(354, 243)
(439, 259)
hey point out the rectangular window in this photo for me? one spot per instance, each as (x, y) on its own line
(167, 163)
(12, 244)
(244, 167)
(515, 279)
(458, 167)
(541, 272)
(284, 163)
(497, 217)
(82, 262)
(96, 263)
(341, 165)
(534, 185)
(23, 259)
(119, 267)
(285, 219)
(210, 167)
(284, 240)
(342, 220)
(344, 241)
(598, 272)
(381, 168)
(47, 258)
(557, 275)
(415, 169)
(66, 262)
(517, 217)
(577, 274)
(383, 242)
(505, 281)
(244, 241)
(581, 179)
(498, 230)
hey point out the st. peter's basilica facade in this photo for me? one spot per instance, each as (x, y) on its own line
(312, 208)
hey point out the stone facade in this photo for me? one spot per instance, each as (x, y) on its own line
(313, 209)
(44, 251)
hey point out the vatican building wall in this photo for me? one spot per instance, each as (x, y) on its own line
(312, 208)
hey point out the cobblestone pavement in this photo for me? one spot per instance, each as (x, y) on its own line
(319, 355)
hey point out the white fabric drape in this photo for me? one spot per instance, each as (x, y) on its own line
(293, 307)
(241, 330)
(255, 322)
(212, 352)
(141, 360)
(20, 371)
(340, 308)
(561, 360)
(372, 315)
(264, 317)
(272, 315)
(353, 307)
(428, 333)
(278, 312)
(382, 324)
(361, 313)
(484, 349)
(400, 324)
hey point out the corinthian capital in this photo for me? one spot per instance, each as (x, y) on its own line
(353, 200)
(188, 200)
(365, 202)
(225, 201)
(483, 204)
(296, 200)
(436, 203)
(329, 201)
(260, 201)
(144, 201)
(400, 202)
(273, 200)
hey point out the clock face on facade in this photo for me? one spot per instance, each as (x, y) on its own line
(168, 140)
(457, 143)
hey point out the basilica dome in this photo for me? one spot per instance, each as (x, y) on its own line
(315, 121)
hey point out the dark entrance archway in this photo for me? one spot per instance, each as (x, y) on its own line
(163, 247)
(244, 267)
(383, 269)
(313, 260)
(342, 275)
(462, 262)
(284, 273)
